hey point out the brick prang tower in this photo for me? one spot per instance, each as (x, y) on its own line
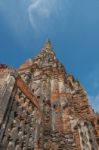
(68, 122)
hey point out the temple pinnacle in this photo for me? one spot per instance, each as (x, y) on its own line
(48, 45)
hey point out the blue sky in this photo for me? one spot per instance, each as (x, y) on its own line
(71, 25)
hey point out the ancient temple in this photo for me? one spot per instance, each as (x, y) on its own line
(42, 107)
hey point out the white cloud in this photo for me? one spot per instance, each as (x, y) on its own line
(43, 12)
(41, 15)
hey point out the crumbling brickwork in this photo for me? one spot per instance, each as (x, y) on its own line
(68, 121)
